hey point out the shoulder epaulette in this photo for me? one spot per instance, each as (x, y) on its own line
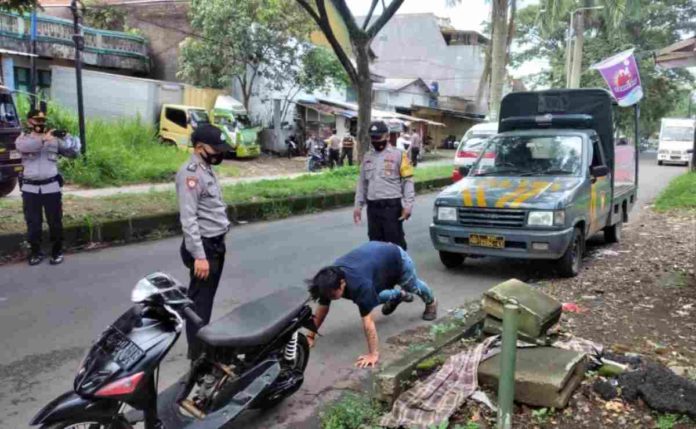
(192, 166)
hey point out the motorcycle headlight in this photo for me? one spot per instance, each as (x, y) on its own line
(447, 214)
(546, 218)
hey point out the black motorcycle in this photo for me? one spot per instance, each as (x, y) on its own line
(253, 358)
(317, 159)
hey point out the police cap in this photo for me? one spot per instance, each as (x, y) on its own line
(212, 136)
(378, 129)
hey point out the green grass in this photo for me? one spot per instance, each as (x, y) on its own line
(120, 152)
(679, 194)
(98, 210)
(351, 412)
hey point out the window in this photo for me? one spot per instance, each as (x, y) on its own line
(22, 76)
(597, 153)
(177, 116)
(8, 115)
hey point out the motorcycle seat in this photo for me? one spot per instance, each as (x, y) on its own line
(256, 322)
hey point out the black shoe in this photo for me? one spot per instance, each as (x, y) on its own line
(390, 306)
(35, 258)
(57, 259)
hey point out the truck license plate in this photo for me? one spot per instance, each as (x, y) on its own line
(493, 241)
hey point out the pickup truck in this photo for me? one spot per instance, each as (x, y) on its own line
(540, 187)
(10, 158)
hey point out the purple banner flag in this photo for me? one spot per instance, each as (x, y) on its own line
(621, 74)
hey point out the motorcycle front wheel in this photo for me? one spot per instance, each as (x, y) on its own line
(90, 424)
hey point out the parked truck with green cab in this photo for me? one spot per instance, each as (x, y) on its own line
(542, 186)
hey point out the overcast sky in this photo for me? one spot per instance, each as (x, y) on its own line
(469, 15)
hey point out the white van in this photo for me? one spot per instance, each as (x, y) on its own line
(470, 147)
(676, 138)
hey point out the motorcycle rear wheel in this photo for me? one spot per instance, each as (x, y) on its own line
(89, 424)
(300, 364)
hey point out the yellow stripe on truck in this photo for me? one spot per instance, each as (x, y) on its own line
(511, 195)
(466, 194)
(538, 188)
(480, 196)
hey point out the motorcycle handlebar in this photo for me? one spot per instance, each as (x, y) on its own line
(192, 317)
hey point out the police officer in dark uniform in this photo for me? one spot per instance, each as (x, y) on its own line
(203, 216)
(386, 187)
(41, 183)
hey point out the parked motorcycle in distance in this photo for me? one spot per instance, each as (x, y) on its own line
(292, 147)
(253, 358)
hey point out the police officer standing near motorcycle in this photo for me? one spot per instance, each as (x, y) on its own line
(386, 187)
(41, 183)
(204, 221)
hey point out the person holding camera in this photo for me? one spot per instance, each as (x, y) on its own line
(41, 183)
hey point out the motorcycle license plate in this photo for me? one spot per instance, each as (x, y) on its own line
(492, 241)
(119, 348)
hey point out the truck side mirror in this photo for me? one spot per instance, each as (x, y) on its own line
(599, 171)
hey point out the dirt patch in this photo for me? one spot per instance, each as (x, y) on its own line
(267, 165)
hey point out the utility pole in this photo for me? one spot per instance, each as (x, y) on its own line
(79, 41)
(574, 59)
(32, 61)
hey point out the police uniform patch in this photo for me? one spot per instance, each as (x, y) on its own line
(192, 166)
(191, 182)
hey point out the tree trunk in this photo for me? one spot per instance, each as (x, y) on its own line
(498, 56)
(576, 66)
(364, 89)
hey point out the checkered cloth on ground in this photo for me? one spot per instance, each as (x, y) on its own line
(434, 400)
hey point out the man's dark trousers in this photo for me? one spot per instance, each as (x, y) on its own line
(334, 157)
(347, 153)
(202, 292)
(35, 205)
(414, 155)
(383, 222)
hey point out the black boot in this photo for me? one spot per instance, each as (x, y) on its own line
(390, 306)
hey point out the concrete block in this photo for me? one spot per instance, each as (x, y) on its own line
(390, 381)
(494, 326)
(538, 311)
(544, 376)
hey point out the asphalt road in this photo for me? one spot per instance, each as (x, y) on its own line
(49, 315)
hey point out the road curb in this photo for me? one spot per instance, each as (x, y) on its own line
(390, 382)
(143, 228)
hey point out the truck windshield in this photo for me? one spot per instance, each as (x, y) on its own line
(677, 134)
(199, 116)
(8, 115)
(530, 156)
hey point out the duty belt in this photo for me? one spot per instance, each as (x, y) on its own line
(26, 181)
(390, 202)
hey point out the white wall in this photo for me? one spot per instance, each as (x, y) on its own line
(406, 97)
(113, 96)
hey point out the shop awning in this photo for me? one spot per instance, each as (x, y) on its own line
(350, 110)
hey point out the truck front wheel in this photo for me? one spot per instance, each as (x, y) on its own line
(451, 260)
(7, 186)
(571, 261)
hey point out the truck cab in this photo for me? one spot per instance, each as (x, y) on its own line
(541, 187)
(177, 123)
(10, 158)
(232, 118)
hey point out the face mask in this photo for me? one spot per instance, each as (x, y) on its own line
(379, 145)
(40, 128)
(212, 159)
